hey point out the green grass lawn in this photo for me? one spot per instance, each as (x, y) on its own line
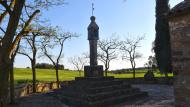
(23, 75)
(136, 75)
(42, 75)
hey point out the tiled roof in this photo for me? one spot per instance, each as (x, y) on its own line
(180, 8)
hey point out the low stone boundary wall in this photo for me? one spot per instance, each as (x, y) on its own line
(26, 89)
(157, 80)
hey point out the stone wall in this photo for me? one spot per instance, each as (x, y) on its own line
(26, 89)
(180, 44)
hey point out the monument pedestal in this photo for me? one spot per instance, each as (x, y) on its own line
(95, 90)
(98, 92)
(94, 78)
(93, 71)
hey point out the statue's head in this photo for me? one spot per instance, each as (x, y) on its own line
(93, 29)
(93, 18)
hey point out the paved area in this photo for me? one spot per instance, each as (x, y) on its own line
(38, 100)
(159, 96)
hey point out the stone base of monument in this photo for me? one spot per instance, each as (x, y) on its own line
(99, 92)
(93, 71)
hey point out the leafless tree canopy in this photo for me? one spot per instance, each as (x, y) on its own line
(129, 49)
(57, 39)
(78, 62)
(108, 51)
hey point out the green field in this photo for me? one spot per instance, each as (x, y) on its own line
(47, 75)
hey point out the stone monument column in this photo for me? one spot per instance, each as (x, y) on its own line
(94, 70)
(93, 52)
(179, 21)
(93, 36)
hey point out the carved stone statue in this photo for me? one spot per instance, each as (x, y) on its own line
(93, 36)
(93, 29)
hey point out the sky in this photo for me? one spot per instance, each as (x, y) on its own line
(126, 18)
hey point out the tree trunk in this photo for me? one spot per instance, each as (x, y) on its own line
(57, 75)
(5, 68)
(5, 59)
(33, 62)
(166, 77)
(134, 73)
(106, 72)
(79, 73)
(133, 68)
(166, 74)
(12, 88)
(106, 68)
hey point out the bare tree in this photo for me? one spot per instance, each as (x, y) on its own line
(57, 41)
(9, 42)
(14, 24)
(78, 62)
(108, 51)
(31, 45)
(129, 49)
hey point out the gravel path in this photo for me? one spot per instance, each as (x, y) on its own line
(159, 96)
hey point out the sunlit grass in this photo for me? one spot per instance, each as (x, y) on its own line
(23, 75)
(43, 75)
(157, 74)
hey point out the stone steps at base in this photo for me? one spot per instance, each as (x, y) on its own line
(94, 78)
(101, 96)
(116, 100)
(90, 90)
(107, 88)
(73, 102)
(94, 84)
(98, 92)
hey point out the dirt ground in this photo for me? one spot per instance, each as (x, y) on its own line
(159, 96)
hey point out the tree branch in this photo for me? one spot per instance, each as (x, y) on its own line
(2, 16)
(6, 6)
(12, 26)
(46, 53)
(24, 30)
(2, 30)
(22, 53)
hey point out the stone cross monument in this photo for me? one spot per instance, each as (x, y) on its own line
(95, 90)
(94, 70)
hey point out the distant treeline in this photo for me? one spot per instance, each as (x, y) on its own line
(48, 66)
(129, 70)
